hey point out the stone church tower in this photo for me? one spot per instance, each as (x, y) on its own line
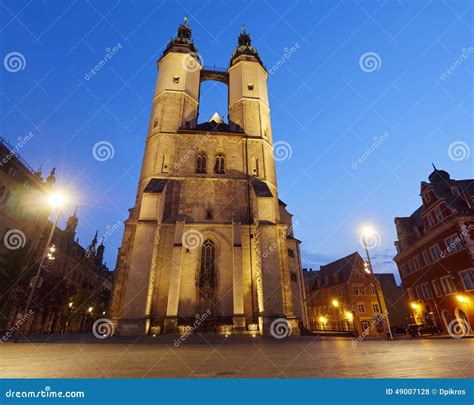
(208, 236)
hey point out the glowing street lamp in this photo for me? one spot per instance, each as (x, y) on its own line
(368, 231)
(335, 303)
(55, 200)
(414, 305)
(461, 298)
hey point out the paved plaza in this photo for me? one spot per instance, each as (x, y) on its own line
(209, 356)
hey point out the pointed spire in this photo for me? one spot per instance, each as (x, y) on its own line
(245, 50)
(71, 225)
(52, 177)
(434, 167)
(186, 20)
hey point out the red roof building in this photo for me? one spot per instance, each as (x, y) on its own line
(435, 249)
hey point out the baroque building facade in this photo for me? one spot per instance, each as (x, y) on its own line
(76, 280)
(342, 297)
(208, 233)
(435, 254)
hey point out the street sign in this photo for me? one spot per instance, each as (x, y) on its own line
(36, 282)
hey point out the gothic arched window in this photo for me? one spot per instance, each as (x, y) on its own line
(201, 163)
(219, 166)
(207, 274)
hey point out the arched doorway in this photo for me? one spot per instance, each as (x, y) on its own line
(463, 321)
(447, 318)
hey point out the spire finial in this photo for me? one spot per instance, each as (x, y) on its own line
(434, 167)
(186, 20)
(75, 212)
(243, 29)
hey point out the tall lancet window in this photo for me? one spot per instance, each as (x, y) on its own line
(207, 275)
(219, 166)
(201, 163)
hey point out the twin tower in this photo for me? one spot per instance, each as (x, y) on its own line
(208, 244)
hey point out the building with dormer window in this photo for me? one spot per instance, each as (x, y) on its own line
(435, 251)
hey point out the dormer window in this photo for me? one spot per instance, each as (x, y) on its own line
(438, 214)
(427, 197)
(176, 79)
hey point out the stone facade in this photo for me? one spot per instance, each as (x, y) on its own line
(208, 233)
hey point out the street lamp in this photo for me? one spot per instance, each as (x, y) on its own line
(55, 200)
(368, 231)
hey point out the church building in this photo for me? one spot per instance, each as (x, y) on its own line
(208, 238)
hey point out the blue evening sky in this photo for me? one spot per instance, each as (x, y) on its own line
(324, 105)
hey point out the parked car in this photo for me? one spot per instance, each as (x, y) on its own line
(398, 330)
(422, 329)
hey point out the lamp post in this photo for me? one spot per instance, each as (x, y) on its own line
(335, 304)
(56, 201)
(367, 231)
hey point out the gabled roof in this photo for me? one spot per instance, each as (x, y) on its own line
(339, 271)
